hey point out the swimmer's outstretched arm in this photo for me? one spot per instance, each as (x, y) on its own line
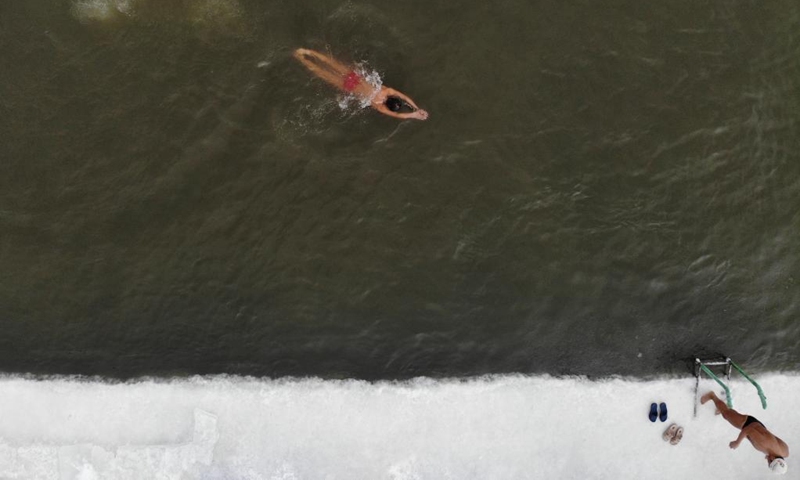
(418, 113)
(392, 92)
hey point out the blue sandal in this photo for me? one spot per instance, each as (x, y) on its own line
(653, 412)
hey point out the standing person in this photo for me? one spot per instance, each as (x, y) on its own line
(774, 448)
(385, 100)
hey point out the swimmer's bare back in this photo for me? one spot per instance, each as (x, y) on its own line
(386, 100)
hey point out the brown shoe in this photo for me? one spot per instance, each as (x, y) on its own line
(678, 436)
(670, 432)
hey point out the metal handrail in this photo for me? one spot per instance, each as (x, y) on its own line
(728, 397)
(755, 384)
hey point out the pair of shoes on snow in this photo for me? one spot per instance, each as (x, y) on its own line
(654, 412)
(673, 434)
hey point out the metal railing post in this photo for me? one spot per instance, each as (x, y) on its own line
(728, 397)
(755, 384)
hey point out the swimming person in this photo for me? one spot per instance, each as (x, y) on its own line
(762, 440)
(385, 100)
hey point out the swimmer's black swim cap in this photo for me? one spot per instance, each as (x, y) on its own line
(394, 104)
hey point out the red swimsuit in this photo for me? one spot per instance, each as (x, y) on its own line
(351, 81)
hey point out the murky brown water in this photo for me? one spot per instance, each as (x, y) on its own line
(599, 190)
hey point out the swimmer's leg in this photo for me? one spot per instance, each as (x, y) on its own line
(318, 62)
(732, 416)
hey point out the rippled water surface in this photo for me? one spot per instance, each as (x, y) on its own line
(600, 189)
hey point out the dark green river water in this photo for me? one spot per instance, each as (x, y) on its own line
(602, 188)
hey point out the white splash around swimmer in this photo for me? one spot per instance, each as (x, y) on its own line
(373, 78)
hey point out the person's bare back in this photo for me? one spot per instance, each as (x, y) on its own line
(764, 441)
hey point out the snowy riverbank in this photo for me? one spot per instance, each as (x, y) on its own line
(504, 427)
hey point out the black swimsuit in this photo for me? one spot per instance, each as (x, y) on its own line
(751, 420)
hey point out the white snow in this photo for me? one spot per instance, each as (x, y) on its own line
(502, 427)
